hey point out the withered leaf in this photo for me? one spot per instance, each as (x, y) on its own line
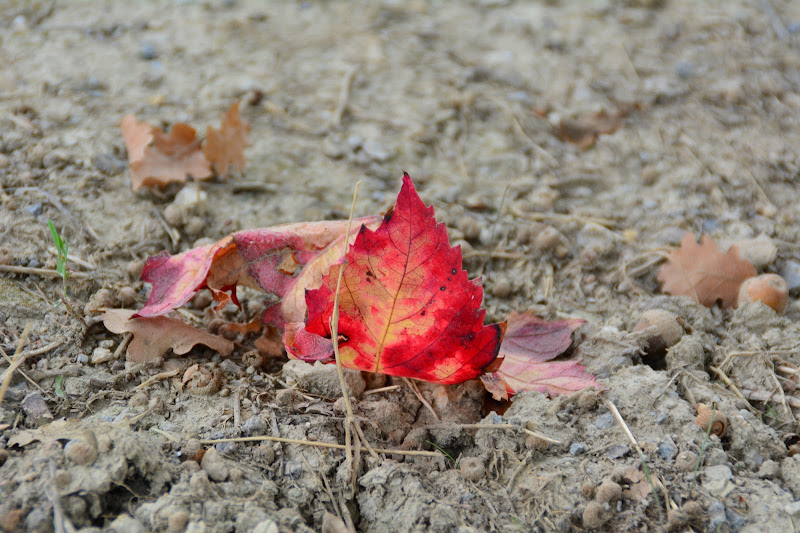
(158, 159)
(154, 336)
(584, 132)
(704, 273)
(224, 148)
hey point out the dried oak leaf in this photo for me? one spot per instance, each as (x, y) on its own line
(157, 159)
(584, 132)
(224, 148)
(530, 342)
(406, 306)
(704, 273)
(272, 260)
(154, 336)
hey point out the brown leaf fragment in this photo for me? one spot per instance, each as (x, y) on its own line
(154, 336)
(584, 132)
(158, 159)
(224, 148)
(137, 136)
(704, 273)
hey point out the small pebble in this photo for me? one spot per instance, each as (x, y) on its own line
(134, 269)
(617, 452)
(668, 450)
(214, 465)
(594, 516)
(264, 453)
(604, 421)
(35, 209)
(83, 450)
(177, 521)
(147, 52)
(83, 358)
(191, 449)
(108, 164)
(608, 491)
(769, 469)
(126, 296)
(472, 468)
(686, 461)
(693, 508)
(577, 448)
(501, 288)
(101, 355)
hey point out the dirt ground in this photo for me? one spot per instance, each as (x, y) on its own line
(466, 97)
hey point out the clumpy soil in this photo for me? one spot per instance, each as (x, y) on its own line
(467, 97)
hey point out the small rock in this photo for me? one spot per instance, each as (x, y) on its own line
(668, 450)
(715, 478)
(125, 523)
(35, 209)
(472, 468)
(577, 448)
(594, 516)
(35, 408)
(264, 453)
(147, 52)
(791, 273)
(191, 449)
(608, 491)
(718, 521)
(255, 425)
(177, 521)
(686, 461)
(82, 450)
(99, 300)
(376, 150)
(322, 379)
(126, 296)
(214, 465)
(101, 355)
(617, 452)
(693, 508)
(501, 287)
(267, 526)
(108, 164)
(769, 469)
(83, 358)
(604, 421)
(793, 509)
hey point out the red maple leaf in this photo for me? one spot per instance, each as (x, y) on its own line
(407, 308)
(527, 348)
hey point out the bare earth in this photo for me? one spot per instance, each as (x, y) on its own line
(466, 97)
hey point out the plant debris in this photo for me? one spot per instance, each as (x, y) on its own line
(704, 273)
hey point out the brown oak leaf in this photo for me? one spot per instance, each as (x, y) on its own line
(702, 271)
(154, 336)
(224, 148)
(158, 159)
(584, 132)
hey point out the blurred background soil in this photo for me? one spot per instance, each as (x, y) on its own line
(498, 110)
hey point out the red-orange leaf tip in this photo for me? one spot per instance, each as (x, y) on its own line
(407, 307)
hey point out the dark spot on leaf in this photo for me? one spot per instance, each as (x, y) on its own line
(441, 288)
(423, 312)
(453, 272)
(370, 274)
